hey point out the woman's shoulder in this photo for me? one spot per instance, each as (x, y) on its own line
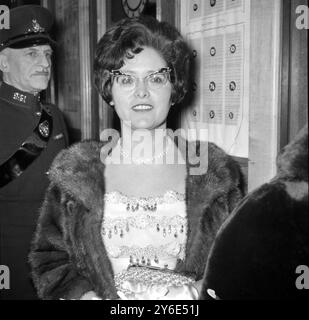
(214, 166)
(201, 148)
(76, 160)
(211, 155)
(79, 152)
(220, 159)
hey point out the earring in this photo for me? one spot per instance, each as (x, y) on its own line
(112, 103)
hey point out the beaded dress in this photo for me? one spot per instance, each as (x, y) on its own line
(146, 231)
(145, 237)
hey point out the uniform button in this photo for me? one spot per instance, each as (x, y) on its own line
(233, 48)
(232, 85)
(213, 51)
(212, 86)
(39, 113)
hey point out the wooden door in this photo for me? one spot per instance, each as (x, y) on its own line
(294, 81)
(72, 87)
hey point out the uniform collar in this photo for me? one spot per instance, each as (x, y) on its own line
(20, 98)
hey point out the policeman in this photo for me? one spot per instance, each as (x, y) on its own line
(31, 135)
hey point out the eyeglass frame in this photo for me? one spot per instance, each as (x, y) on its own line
(163, 70)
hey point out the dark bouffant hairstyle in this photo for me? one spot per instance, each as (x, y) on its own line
(127, 38)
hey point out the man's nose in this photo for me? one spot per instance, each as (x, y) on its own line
(141, 90)
(45, 61)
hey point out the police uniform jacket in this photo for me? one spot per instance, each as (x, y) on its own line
(21, 198)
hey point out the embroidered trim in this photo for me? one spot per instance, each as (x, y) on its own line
(148, 278)
(141, 255)
(169, 197)
(167, 225)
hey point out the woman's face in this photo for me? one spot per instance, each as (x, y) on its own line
(144, 105)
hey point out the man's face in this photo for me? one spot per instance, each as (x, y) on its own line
(27, 69)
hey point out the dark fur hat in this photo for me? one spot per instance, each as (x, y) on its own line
(261, 248)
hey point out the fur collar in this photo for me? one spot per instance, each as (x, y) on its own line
(79, 172)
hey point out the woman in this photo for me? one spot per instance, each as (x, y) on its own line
(110, 206)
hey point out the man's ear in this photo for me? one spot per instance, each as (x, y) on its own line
(4, 65)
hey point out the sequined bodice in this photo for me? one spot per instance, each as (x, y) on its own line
(147, 231)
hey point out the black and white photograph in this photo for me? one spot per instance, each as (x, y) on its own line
(154, 150)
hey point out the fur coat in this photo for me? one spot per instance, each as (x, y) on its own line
(68, 257)
(262, 250)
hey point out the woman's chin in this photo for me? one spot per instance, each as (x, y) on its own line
(143, 125)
